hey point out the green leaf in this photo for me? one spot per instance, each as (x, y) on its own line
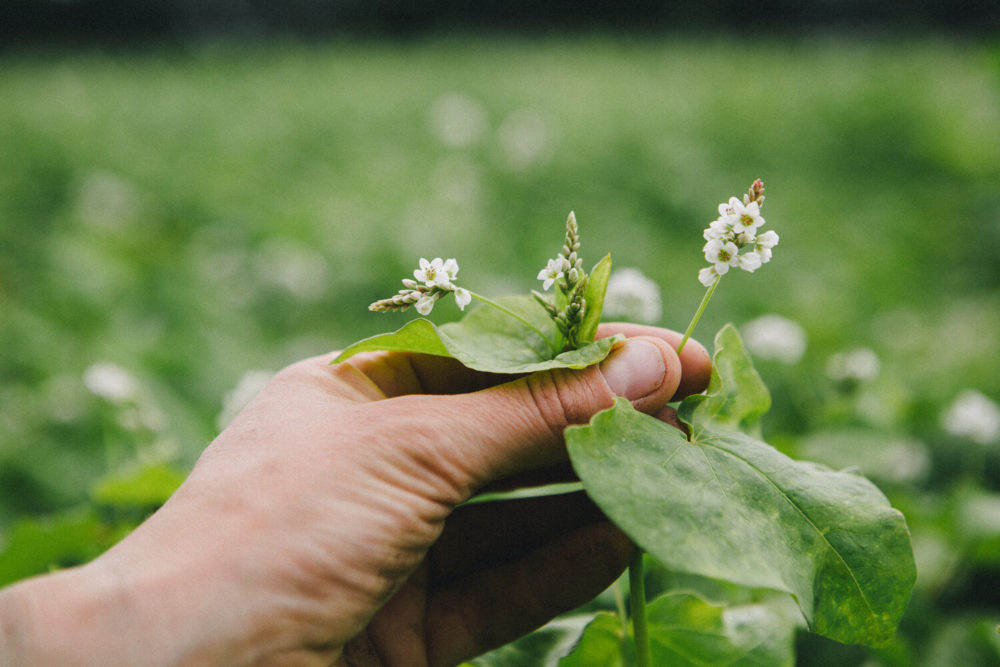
(543, 648)
(487, 339)
(415, 336)
(601, 645)
(737, 397)
(597, 285)
(148, 486)
(35, 546)
(687, 631)
(730, 507)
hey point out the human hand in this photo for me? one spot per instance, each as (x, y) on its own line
(325, 525)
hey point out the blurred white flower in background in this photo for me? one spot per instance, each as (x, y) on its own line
(457, 180)
(775, 337)
(457, 120)
(973, 415)
(979, 516)
(106, 200)
(111, 382)
(299, 270)
(905, 461)
(524, 138)
(247, 387)
(632, 296)
(883, 456)
(858, 365)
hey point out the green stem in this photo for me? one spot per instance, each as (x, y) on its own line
(517, 317)
(697, 315)
(637, 599)
(622, 619)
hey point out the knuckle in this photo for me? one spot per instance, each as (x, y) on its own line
(563, 397)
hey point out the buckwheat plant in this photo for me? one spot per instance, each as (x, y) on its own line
(737, 528)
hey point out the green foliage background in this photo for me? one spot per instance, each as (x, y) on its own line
(194, 214)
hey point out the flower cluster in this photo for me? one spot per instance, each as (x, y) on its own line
(735, 230)
(434, 279)
(566, 272)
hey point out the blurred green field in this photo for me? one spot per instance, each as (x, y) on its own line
(174, 219)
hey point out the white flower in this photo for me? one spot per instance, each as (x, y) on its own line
(708, 275)
(859, 365)
(722, 254)
(750, 261)
(745, 218)
(462, 297)
(726, 208)
(718, 229)
(435, 273)
(764, 243)
(775, 337)
(111, 382)
(552, 272)
(768, 239)
(631, 295)
(974, 416)
(425, 304)
(450, 268)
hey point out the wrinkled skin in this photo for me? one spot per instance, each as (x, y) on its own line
(325, 525)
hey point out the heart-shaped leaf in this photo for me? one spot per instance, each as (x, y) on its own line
(728, 506)
(488, 339)
(736, 397)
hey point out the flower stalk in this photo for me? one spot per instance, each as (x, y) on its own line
(697, 315)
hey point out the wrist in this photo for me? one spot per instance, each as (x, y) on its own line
(103, 614)
(68, 617)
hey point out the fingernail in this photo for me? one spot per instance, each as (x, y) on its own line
(634, 370)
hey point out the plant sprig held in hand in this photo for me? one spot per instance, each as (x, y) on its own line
(713, 502)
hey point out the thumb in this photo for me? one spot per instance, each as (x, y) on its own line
(517, 426)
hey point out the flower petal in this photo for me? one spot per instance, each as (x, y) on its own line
(462, 297)
(425, 304)
(707, 276)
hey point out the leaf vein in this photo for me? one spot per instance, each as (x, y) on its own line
(807, 519)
